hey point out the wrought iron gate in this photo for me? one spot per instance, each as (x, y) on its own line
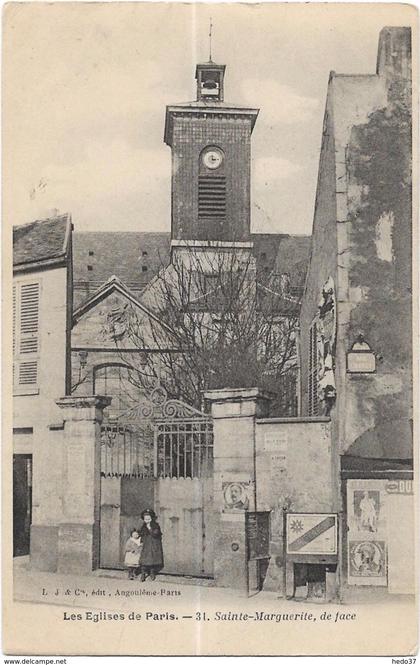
(159, 454)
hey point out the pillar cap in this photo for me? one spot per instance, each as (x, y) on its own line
(84, 401)
(237, 395)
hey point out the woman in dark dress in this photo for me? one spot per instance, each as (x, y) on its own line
(151, 561)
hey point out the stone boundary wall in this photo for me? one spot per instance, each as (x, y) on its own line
(295, 473)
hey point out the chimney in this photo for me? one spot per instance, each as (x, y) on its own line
(394, 53)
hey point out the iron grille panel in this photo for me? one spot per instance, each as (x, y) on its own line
(126, 451)
(166, 449)
(184, 449)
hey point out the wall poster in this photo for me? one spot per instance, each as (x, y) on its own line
(367, 537)
(236, 495)
(311, 533)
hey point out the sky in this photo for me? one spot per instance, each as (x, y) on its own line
(85, 89)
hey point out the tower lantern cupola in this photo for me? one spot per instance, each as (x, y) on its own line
(210, 79)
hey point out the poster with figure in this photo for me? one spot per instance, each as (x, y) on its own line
(236, 495)
(367, 559)
(367, 532)
(366, 514)
(366, 506)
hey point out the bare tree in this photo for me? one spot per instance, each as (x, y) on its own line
(215, 327)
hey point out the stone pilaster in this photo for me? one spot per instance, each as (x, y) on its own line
(234, 412)
(78, 533)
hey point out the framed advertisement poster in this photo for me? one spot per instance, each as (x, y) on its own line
(311, 533)
(367, 533)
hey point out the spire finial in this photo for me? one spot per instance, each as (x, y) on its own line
(210, 33)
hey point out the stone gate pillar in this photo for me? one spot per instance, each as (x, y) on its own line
(234, 412)
(78, 533)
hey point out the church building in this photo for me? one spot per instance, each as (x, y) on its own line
(210, 141)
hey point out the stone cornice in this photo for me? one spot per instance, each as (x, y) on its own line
(236, 394)
(238, 402)
(84, 407)
(205, 111)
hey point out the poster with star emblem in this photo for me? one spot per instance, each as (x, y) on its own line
(311, 533)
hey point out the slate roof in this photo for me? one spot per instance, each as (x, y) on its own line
(41, 242)
(266, 248)
(275, 255)
(267, 300)
(136, 257)
(293, 258)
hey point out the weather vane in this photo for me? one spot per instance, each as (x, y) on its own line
(210, 31)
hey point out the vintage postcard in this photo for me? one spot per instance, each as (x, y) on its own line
(208, 286)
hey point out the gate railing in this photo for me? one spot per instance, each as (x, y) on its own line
(170, 449)
(125, 451)
(158, 437)
(184, 448)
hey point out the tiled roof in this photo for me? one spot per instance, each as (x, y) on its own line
(275, 254)
(41, 241)
(266, 247)
(293, 258)
(132, 257)
(282, 292)
(136, 257)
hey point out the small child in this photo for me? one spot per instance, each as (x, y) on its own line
(132, 553)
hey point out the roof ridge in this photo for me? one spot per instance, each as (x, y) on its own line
(65, 216)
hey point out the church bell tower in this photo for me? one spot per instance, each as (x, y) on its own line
(211, 162)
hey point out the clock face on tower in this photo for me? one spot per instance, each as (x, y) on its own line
(212, 158)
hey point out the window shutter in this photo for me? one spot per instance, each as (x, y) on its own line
(14, 319)
(28, 373)
(14, 297)
(313, 372)
(26, 333)
(29, 315)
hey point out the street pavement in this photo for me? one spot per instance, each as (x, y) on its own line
(111, 590)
